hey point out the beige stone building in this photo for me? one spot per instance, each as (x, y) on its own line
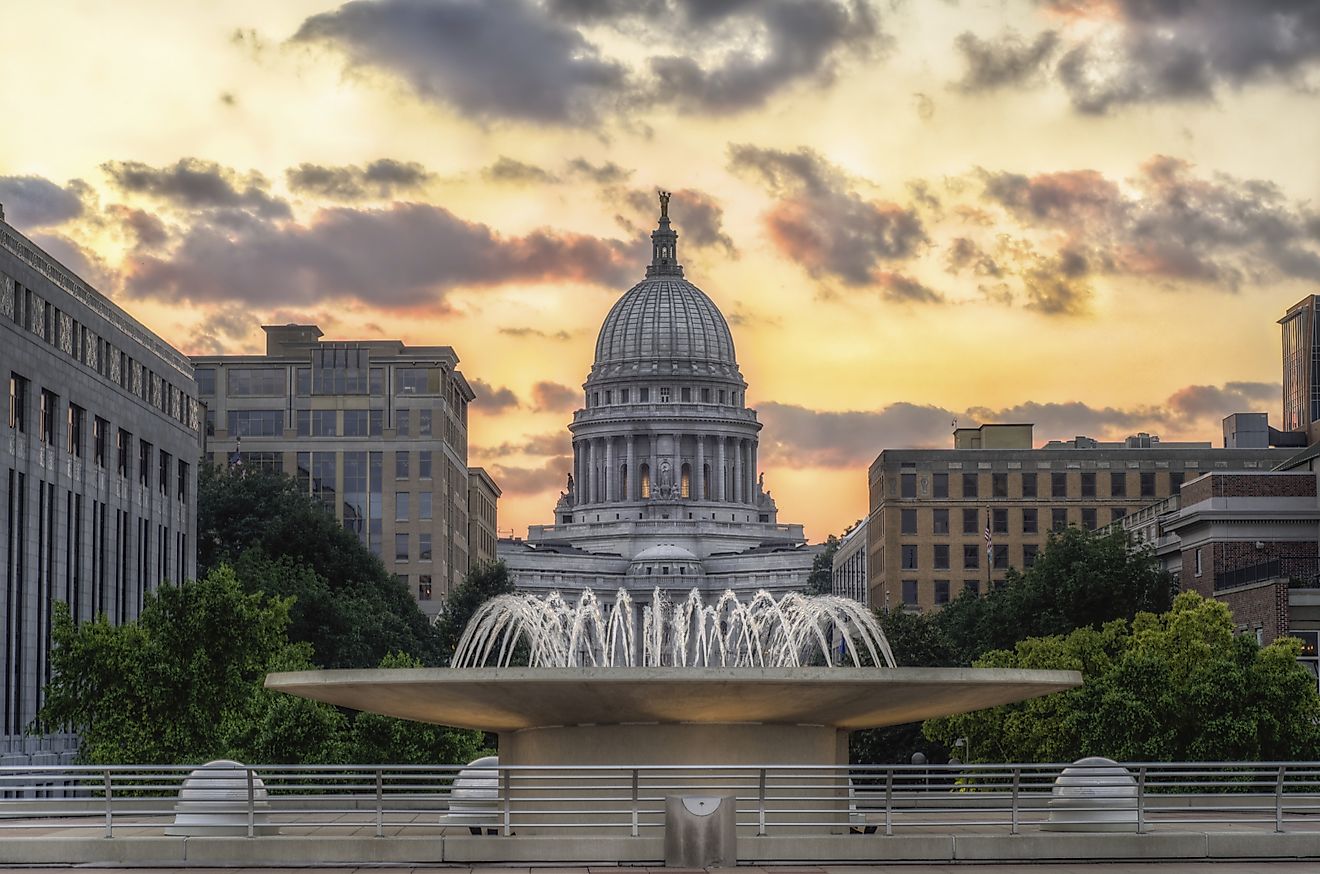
(483, 500)
(374, 428)
(944, 520)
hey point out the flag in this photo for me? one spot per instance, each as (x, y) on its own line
(236, 457)
(989, 540)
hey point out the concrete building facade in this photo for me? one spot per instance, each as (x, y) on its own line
(944, 520)
(483, 506)
(99, 461)
(375, 429)
(1301, 367)
(848, 572)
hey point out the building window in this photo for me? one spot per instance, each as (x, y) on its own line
(1029, 522)
(685, 394)
(144, 463)
(18, 394)
(302, 381)
(255, 423)
(939, 485)
(50, 403)
(423, 464)
(424, 506)
(401, 465)
(722, 394)
(424, 546)
(205, 377)
(941, 591)
(941, 559)
(1000, 521)
(375, 423)
(908, 556)
(969, 485)
(403, 422)
(940, 521)
(910, 592)
(908, 522)
(999, 485)
(609, 396)
(424, 587)
(1028, 485)
(400, 547)
(1118, 484)
(424, 422)
(417, 380)
(971, 556)
(123, 440)
(100, 440)
(1029, 551)
(254, 381)
(356, 423)
(77, 416)
(181, 489)
(644, 395)
(1088, 484)
(1117, 513)
(1088, 518)
(705, 395)
(1175, 481)
(973, 586)
(1148, 484)
(325, 423)
(1058, 519)
(163, 476)
(971, 521)
(907, 485)
(1001, 557)
(623, 395)
(1059, 485)
(1198, 561)
(664, 394)
(400, 506)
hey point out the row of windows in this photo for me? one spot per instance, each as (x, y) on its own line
(403, 549)
(940, 556)
(62, 425)
(941, 591)
(324, 423)
(665, 394)
(975, 520)
(1117, 483)
(334, 371)
(61, 330)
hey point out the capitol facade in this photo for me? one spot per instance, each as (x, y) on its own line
(664, 490)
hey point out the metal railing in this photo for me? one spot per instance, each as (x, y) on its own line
(1302, 572)
(411, 800)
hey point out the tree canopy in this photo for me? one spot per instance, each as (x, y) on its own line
(483, 582)
(1180, 686)
(283, 542)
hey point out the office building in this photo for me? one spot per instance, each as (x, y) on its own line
(483, 503)
(944, 520)
(848, 572)
(375, 429)
(99, 462)
(1301, 367)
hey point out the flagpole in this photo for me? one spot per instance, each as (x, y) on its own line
(989, 551)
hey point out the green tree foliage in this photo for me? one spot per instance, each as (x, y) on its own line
(157, 691)
(281, 541)
(820, 580)
(1179, 686)
(483, 582)
(375, 739)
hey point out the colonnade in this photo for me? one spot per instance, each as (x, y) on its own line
(610, 469)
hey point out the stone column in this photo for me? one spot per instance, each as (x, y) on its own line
(755, 474)
(720, 478)
(677, 463)
(738, 483)
(630, 487)
(699, 475)
(610, 474)
(591, 470)
(655, 459)
(578, 483)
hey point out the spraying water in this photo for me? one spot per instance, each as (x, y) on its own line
(793, 631)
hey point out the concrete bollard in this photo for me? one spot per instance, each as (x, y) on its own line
(701, 831)
(1094, 794)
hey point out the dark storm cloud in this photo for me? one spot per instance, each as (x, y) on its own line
(796, 436)
(381, 178)
(192, 183)
(508, 170)
(552, 397)
(532, 480)
(493, 399)
(146, 229)
(495, 59)
(698, 217)
(36, 202)
(404, 255)
(1006, 60)
(821, 222)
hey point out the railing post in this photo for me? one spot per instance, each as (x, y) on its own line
(380, 803)
(1017, 781)
(1141, 800)
(109, 814)
(635, 795)
(1278, 800)
(251, 806)
(760, 803)
(889, 801)
(508, 813)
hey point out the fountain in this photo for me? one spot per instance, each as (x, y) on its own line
(765, 682)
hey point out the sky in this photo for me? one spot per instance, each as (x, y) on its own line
(1086, 215)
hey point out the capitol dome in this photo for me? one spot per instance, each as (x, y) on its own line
(664, 317)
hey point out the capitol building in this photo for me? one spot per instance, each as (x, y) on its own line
(665, 490)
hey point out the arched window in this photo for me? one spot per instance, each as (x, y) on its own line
(646, 480)
(705, 482)
(623, 482)
(685, 482)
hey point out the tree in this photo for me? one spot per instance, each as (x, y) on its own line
(1180, 686)
(281, 541)
(821, 579)
(483, 582)
(158, 690)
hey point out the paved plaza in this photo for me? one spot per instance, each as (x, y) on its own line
(898, 868)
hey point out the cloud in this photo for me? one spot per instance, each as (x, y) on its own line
(506, 169)
(533, 480)
(608, 173)
(493, 399)
(523, 333)
(555, 444)
(36, 202)
(800, 437)
(552, 397)
(145, 230)
(382, 178)
(85, 263)
(495, 59)
(1006, 60)
(194, 184)
(821, 222)
(698, 217)
(407, 254)
(220, 327)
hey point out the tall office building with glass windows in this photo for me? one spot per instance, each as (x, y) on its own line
(376, 429)
(1301, 367)
(98, 464)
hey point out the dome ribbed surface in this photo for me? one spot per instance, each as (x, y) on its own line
(664, 317)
